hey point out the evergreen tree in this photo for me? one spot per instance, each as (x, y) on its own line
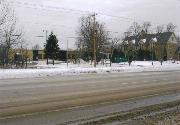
(51, 48)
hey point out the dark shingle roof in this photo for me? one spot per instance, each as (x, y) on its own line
(161, 37)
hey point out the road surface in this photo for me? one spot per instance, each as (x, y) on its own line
(31, 98)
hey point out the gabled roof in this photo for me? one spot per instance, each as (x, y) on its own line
(164, 37)
(1, 45)
(161, 37)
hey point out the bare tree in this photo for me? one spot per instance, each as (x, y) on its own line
(22, 47)
(9, 35)
(3, 16)
(170, 27)
(127, 33)
(12, 37)
(160, 29)
(115, 44)
(36, 47)
(135, 28)
(146, 26)
(6, 15)
(86, 36)
(4, 12)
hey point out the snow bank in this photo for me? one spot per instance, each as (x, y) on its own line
(43, 70)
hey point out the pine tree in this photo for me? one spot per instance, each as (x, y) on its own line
(51, 48)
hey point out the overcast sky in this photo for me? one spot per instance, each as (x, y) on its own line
(59, 16)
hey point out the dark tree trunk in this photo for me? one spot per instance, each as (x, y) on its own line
(53, 61)
(47, 61)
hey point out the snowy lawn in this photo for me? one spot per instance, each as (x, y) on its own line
(43, 70)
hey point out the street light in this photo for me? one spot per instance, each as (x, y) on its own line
(46, 32)
(67, 53)
(80, 47)
(112, 46)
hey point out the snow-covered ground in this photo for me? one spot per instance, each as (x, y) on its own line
(43, 70)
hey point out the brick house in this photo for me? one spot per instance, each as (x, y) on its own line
(164, 45)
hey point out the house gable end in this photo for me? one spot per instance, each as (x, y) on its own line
(172, 39)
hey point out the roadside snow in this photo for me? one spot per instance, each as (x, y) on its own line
(43, 70)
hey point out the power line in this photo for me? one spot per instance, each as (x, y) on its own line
(72, 11)
(48, 8)
(45, 24)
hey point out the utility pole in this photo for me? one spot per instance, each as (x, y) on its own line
(80, 49)
(67, 53)
(152, 52)
(178, 47)
(94, 37)
(26, 57)
(46, 32)
(22, 57)
(112, 50)
(161, 54)
(47, 55)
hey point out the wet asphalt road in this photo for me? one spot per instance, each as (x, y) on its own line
(61, 95)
